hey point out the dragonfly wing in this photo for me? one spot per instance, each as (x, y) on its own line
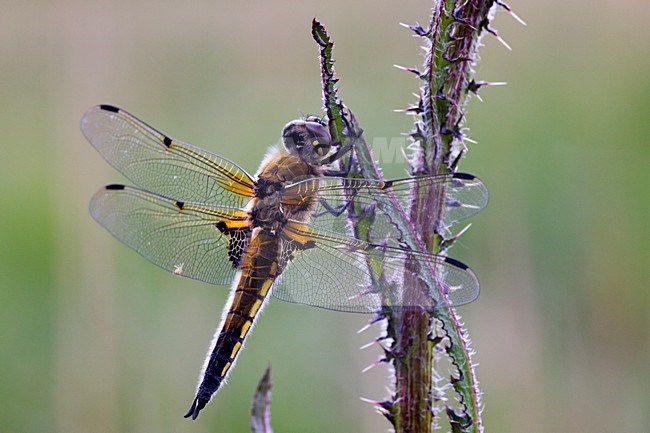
(196, 241)
(453, 196)
(158, 163)
(324, 277)
(330, 270)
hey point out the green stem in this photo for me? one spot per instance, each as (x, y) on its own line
(452, 42)
(419, 338)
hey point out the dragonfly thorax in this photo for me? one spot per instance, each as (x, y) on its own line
(270, 209)
(267, 187)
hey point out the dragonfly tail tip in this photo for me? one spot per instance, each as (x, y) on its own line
(197, 405)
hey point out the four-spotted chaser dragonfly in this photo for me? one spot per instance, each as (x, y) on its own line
(288, 230)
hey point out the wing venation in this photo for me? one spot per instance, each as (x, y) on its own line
(158, 163)
(198, 241)
(341, 273)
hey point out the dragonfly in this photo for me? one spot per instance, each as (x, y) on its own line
(289, 230)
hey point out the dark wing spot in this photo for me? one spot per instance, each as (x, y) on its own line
(237, 245)
(307, 245)
(167, 141)
(456, 263)
(114, 186)
(465, 176)
(237, 242)
(110, 108)
(180, 205)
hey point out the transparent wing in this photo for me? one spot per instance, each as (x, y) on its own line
(196, 241)
(157, 163)
(330, 270)
(453, 196)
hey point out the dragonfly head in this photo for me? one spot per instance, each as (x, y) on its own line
(308, 138)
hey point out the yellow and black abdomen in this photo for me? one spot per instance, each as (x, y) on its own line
(258, 271)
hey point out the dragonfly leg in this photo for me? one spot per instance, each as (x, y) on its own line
(333, 210)
(338, 155)
(342, 150)
(348, 164)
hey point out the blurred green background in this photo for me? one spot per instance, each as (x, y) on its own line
(94, 338)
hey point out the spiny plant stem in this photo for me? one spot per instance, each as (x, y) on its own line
(261, 406)
(419, 338)
(437, 142)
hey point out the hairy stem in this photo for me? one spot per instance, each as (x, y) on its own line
(437, 142)
(420, 338)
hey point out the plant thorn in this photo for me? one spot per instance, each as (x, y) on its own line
(511, 12)
(373, 365)
(364, 328)
(367, 400)
(499, 38)
(411, 70)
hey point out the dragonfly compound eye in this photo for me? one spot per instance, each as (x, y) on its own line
(294, 135)
(319, 137)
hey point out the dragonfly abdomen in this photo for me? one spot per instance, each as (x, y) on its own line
(258, 272)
